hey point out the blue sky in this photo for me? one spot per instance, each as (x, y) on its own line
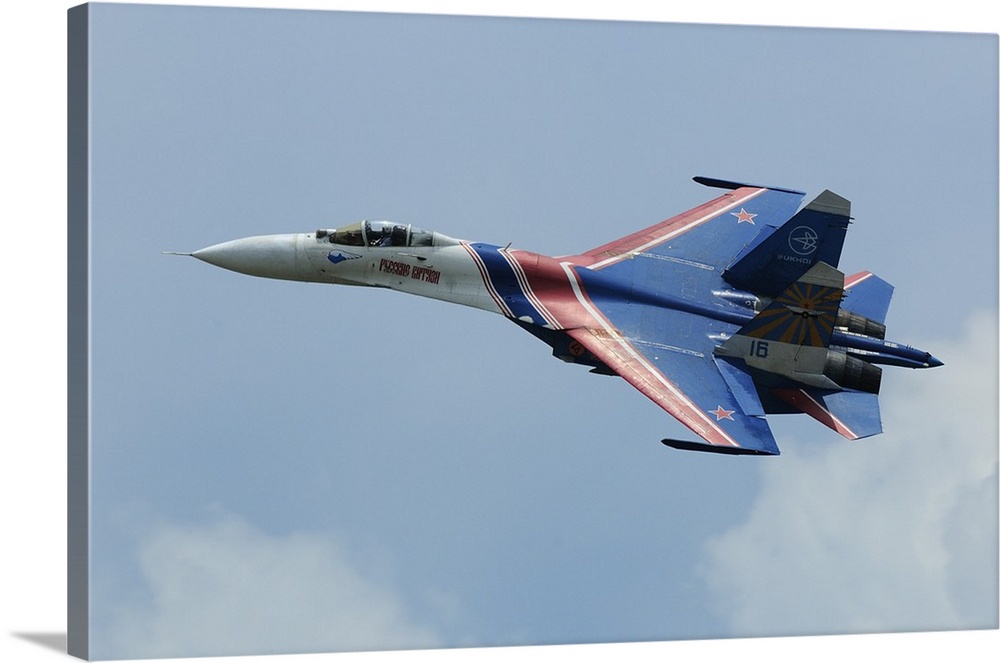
(395, 472)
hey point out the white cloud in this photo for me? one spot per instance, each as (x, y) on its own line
(893, 533)
(227, 588)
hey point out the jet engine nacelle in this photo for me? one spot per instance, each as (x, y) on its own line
(859, 324)
(852, 373)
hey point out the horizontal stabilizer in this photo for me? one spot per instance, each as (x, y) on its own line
(867, 295)
(740, 383)
(852, 414)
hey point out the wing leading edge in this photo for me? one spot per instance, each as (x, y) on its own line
(711, 234)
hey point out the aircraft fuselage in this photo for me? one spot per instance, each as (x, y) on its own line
(496, 279)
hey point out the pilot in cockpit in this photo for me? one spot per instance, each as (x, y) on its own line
(382, 234)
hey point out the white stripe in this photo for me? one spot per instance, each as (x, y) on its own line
(861, 280)
(614, 333)
(678, 231)
(487, 281)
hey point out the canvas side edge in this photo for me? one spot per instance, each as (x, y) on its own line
(78, 333)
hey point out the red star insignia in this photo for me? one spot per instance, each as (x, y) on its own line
(721, 413)
(744, 216)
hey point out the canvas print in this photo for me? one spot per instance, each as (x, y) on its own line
(767, 258)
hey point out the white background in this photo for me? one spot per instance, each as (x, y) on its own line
(33, 583)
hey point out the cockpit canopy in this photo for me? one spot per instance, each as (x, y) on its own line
(382, 233)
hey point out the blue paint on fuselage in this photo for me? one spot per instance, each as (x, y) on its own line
(506, 283)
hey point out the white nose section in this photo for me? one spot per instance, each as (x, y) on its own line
(271, 256)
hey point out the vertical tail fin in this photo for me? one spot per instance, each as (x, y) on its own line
(779, 257)
(791, 336)
(804, 314)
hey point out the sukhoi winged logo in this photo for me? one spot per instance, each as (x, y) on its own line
(340, 256)
(803, 240)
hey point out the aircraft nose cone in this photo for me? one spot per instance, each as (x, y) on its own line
(933, 362)
(271, 256)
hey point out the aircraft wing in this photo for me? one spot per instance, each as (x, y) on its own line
(713, 398)
(709, 235)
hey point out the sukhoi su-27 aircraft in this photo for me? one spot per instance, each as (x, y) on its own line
(720, 315)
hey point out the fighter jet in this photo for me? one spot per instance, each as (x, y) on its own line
(720, 315)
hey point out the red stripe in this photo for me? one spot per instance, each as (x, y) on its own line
(525, 285)
(854, 279)
(800, 399)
